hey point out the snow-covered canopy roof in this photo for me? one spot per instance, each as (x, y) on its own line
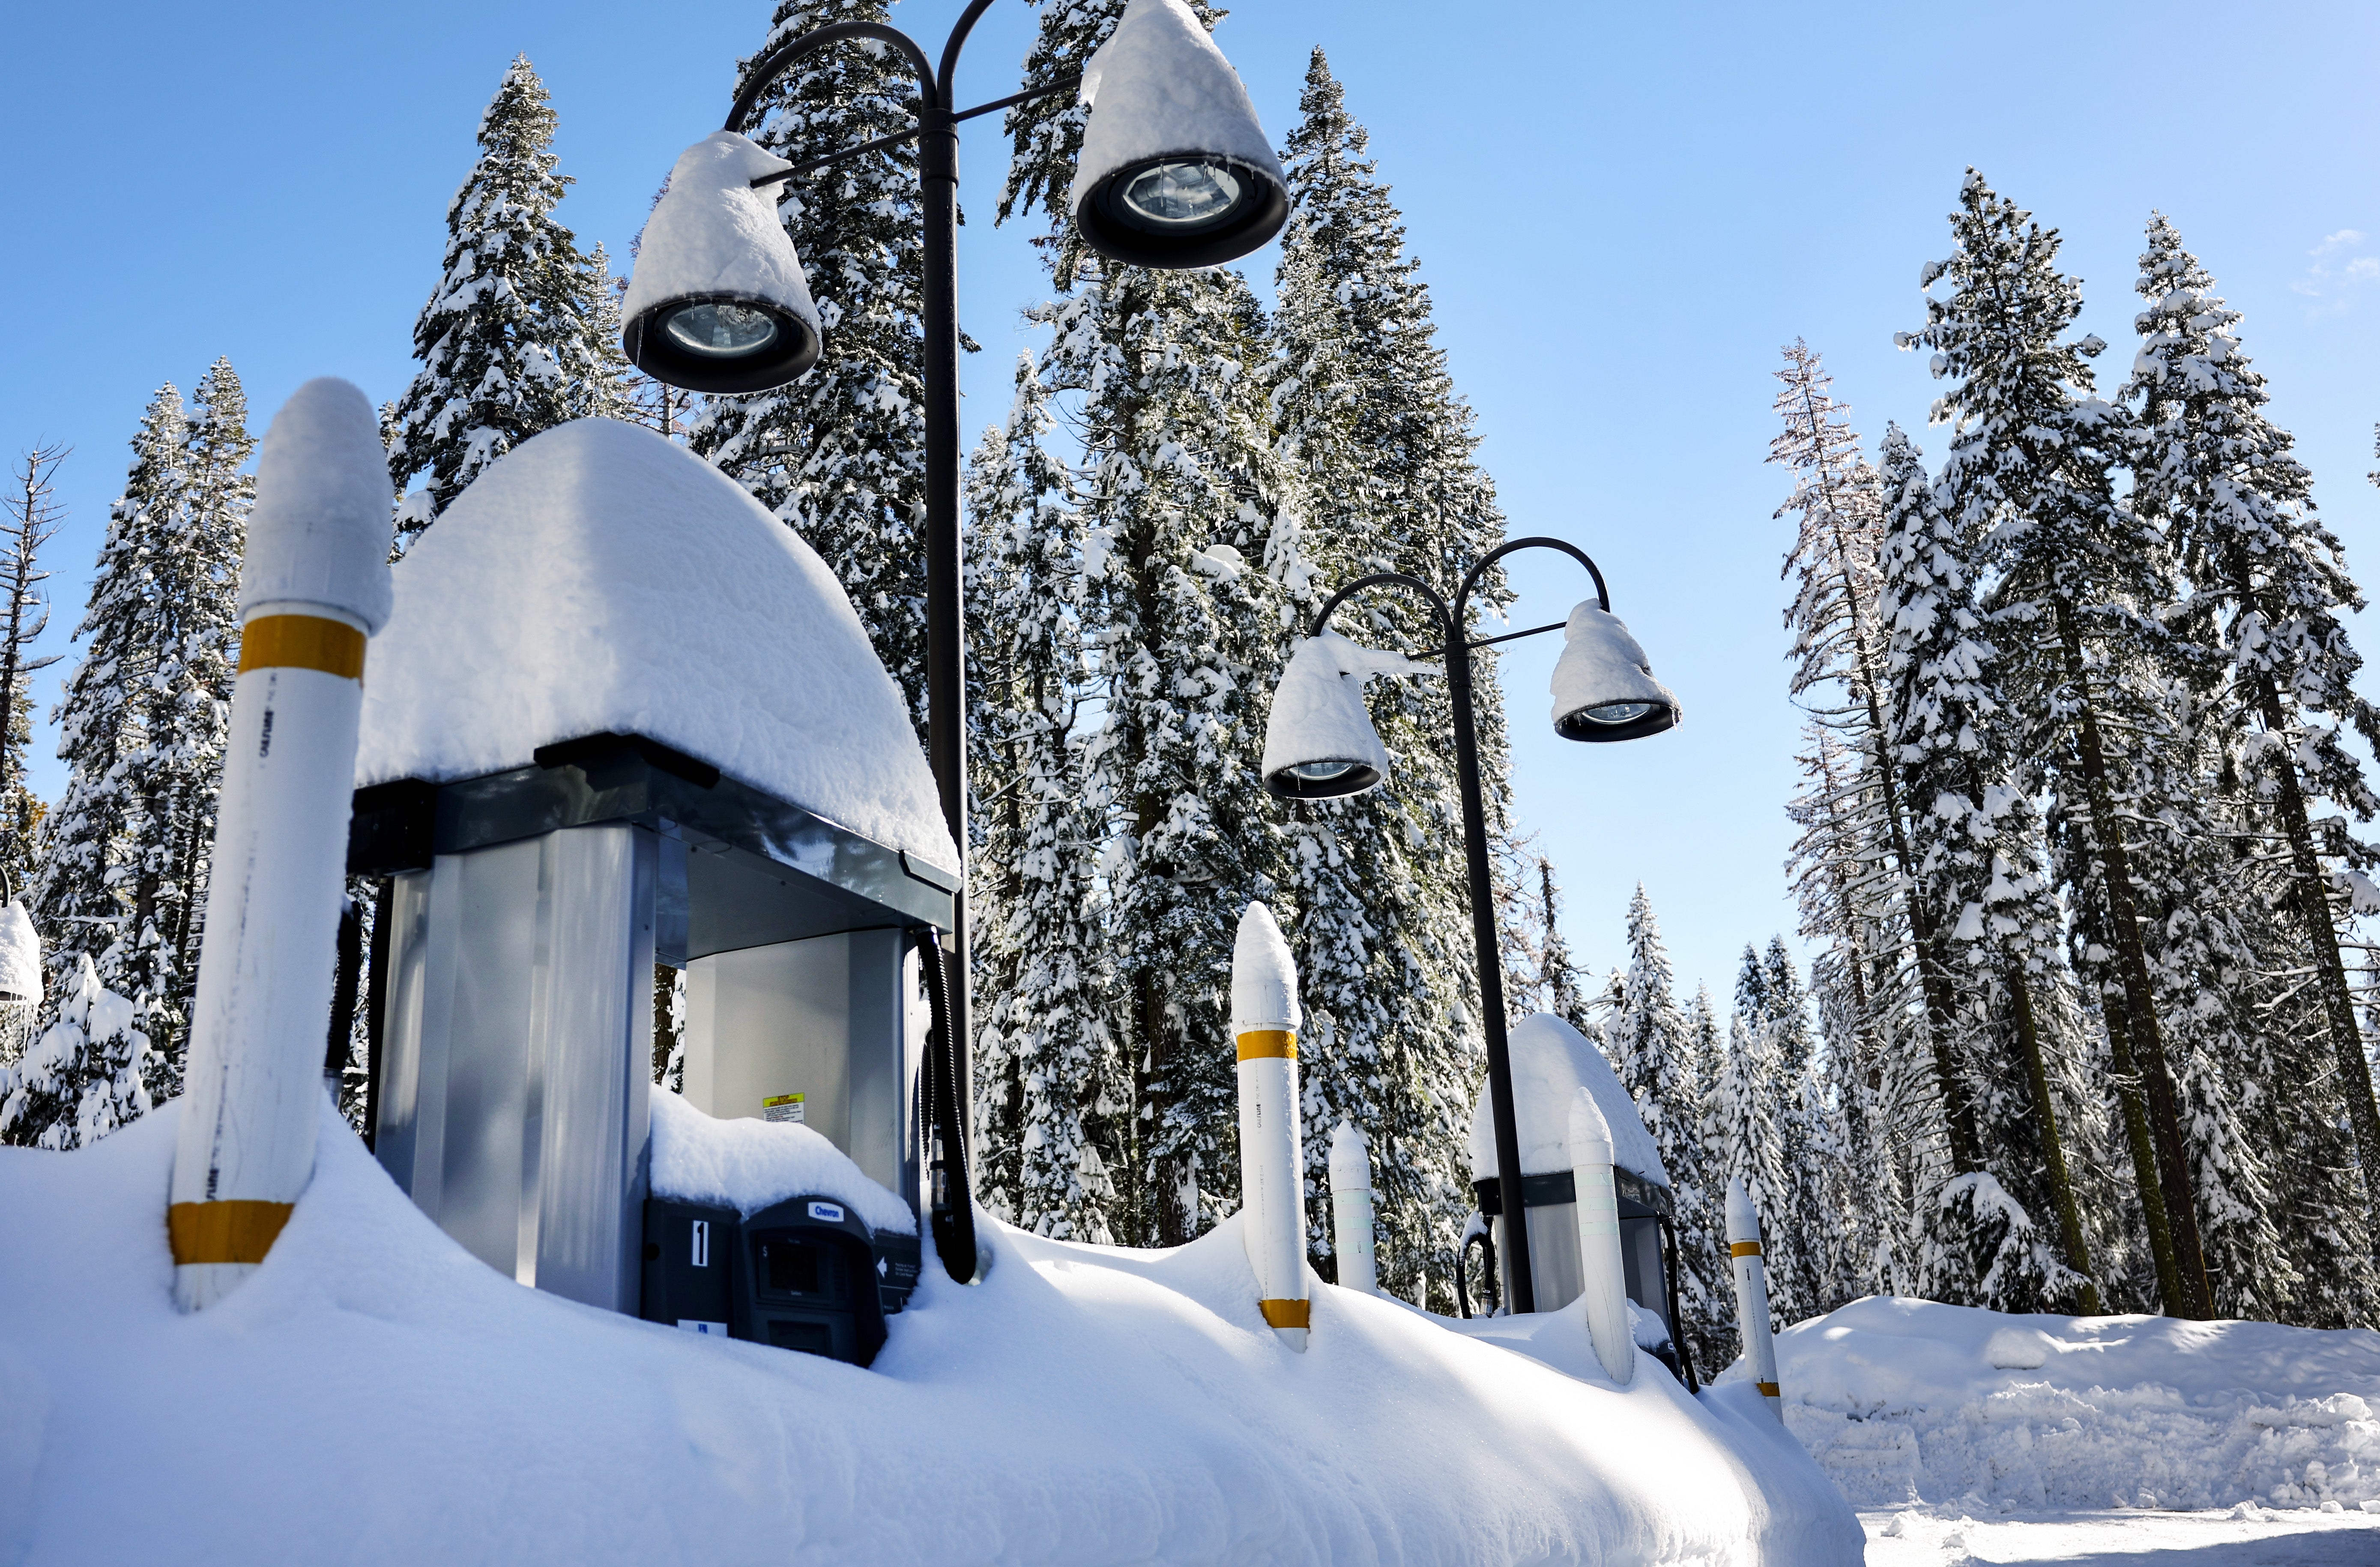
(1551, 1061)
(599, 579)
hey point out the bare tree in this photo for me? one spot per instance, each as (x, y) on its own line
(33, 518)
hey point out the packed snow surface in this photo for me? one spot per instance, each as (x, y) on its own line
(374, 1394)
(1158, 85)
(2239, 1536)
(1551, 1061)
(599, 579)
(1910, 1400)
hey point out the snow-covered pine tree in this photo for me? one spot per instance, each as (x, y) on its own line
(1369, 423)
(839, 452)
(2267, 582)
(2030, 472)
(88, 1073)
(187, 647)
(76, 900)
(1051, 1091)
(1978, 859)
(1664, 1060)
(1839, 675)
(1744, 1104)
(508, 341)
(33, 518)
(1191, 574)
(1804, 1141)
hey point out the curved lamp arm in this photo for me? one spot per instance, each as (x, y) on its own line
(1386, 578)
(777, 61)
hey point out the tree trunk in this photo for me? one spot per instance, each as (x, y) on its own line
(2195, 1296)
(2053, 1152)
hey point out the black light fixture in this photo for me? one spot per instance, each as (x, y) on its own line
(1603, 685)
(1319, 743)
(1175, 170)
(717, 302)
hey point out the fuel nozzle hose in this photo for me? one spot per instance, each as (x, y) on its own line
(950, 1206)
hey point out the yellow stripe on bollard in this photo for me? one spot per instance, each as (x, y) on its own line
(1743, 1248)
(302, 641)
(1287, 1313)
(1257, 1044)
(1767, 1389)
(234, 1231)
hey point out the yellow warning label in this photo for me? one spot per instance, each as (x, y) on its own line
(782, 1107)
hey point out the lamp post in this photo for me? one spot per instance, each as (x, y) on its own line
(1175, 172)
(1320, 745)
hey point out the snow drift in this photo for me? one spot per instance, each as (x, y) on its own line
(375, 1394)
(1909, 1399)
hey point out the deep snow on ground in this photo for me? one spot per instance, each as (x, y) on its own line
(1906, 1399)
(1918, 1537)
(374, 1394)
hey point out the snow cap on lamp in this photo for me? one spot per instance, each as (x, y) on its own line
(320, 530)
(1320, 742)
(21, 958)
(1175, 171)
(1264, 976)
(1603, 685)
(717, 302)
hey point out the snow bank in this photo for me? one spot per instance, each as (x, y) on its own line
(1906, 1400)
(598, 578)
(373, 1394)
(1551, 1061)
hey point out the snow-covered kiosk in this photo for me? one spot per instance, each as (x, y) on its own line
(623, 716)
(1551, 1061)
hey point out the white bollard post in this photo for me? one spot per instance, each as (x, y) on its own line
(1272, 1164)
(1600, 1266)
(314, 585)
(1751, 1293)
(1351, 1209)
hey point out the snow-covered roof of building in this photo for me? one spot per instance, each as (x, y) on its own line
(599, 579)
(1551, 1061)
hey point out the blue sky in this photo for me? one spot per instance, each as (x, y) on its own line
(1622, 212)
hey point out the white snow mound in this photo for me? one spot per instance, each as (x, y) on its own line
(1913, 1401)
(599, 579)
(373, 1394)
(1551, 1061)
(749, 1166)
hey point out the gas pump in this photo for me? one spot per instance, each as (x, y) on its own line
(524, 906)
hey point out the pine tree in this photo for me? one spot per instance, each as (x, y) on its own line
(2266, 584)
(2029, 470)
(839, 452)
(1667, 1062)
(508, 342)
(88, 1073)
(1751, 1148)
(1839, 649)
(78, 900)
(33, 518)
(1978, 854)
(188, 645)
(1051, 1091)
(1381, 448)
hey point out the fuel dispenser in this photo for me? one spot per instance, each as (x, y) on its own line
(523, 908)
(1550, 1062)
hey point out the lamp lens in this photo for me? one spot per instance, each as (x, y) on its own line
(1618, 713)
(1179, 197)
(1320, 772)
(718, 330)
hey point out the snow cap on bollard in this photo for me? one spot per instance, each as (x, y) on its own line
(1264, 978)
(1272, 1175)
(1742, 1219)
(21, 958)
(1351, 1209)
(314, 582)
(320, 530)
(1590, 1133)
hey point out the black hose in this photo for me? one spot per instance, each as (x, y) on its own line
(951, 1204)
(1486, 1244)
(1677, 1317)
(343, 990)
